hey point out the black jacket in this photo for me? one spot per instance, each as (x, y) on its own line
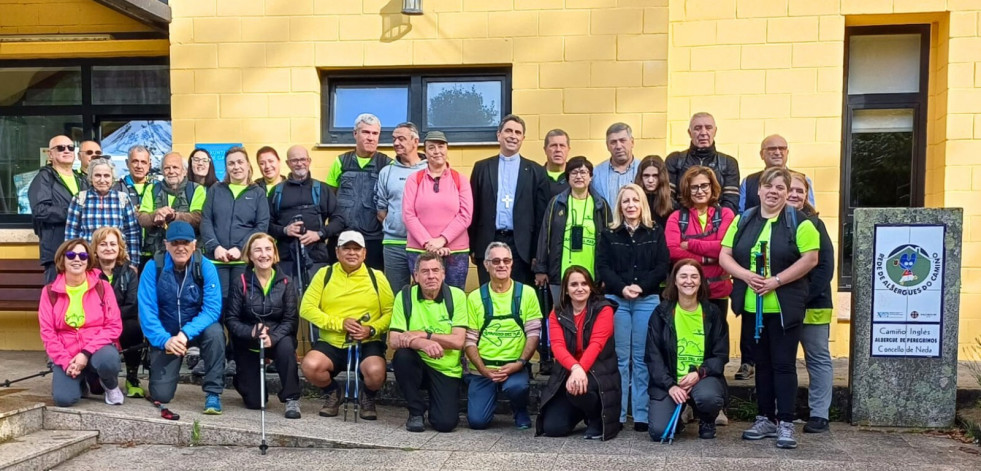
(297, 198)
(551, 239)
(726, 170)
(604, 371)
(248, 306)
(125, 185)
(662, 347)
(530, 200)
(819, 279)
(49, 198)
(125, 282)
(556, 186)
(228, 221)
(623, 259)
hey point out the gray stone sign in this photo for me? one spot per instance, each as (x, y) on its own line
(905, 312)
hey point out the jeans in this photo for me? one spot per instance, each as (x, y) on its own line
(707, 396)
(104, 363)
(396, 266)
(165, 368)
(776, 369)
(457, 267)
(482, 397)
(630, 337)
(814, 339)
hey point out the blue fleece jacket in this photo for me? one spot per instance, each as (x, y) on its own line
(171, 305)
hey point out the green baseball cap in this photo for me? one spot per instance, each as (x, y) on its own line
(436, 136)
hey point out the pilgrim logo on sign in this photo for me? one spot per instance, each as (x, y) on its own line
(908, 270)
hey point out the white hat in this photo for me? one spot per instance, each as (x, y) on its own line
(350, 236)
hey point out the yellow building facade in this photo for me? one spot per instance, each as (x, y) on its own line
(257, 72)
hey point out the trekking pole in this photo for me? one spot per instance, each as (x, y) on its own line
(301, 285)
(357, 370)
(668, 433)
(8, 382)
(760, 270)
(347, 381)
(262, 390)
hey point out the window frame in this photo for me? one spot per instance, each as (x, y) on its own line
(90, 113)
(416, 81)
(851, 103)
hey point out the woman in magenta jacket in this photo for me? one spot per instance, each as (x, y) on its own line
(80, 326)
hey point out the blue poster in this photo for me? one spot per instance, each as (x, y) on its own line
(217, 152)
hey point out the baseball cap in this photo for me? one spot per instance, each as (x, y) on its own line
(437, 136)
(350, 236)
(180, 230)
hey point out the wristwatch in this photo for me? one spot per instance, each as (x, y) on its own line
(523, 361)
(429, 335)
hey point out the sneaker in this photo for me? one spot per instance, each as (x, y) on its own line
(706, 430)
(212, 405)
(332, 403)
(762, 428)
(193, 357)
(641, 427)
(594, 430)
(721, 419)
(746, 371)
(522, 420)
(133, 389)
(199, 368)
(816, 425)
(114, 396)
(230, 368)
(95, 384)
(367, 403)
(786, 435)
(292, 409)
(415, 424)
(271, 368)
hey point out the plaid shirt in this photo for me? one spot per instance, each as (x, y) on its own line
(88, 211)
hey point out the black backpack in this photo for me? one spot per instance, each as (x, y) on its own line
(683, 216)
(196, 274)
(790, 219)
(277, 195)
(407, 302)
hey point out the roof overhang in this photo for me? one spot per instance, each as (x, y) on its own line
(153, 13)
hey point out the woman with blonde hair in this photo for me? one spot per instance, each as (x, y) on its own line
(112, 258)
(632, 260)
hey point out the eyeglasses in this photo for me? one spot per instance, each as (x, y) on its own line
(296, 161)
(500, 261)
(704, 187)
(68, 148)
(93, 152)
(200, 160)
(579, 172)
(83, 256)
(776, 148)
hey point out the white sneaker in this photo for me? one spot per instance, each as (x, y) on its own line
(115, 396)
(721, 419)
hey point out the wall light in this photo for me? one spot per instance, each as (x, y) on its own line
(411, 7)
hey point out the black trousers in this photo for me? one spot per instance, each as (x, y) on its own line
(132, 335)
(747, 344)
(412, 375)
(776, 369)
(564, 411)
(248, 377)
(707, 397)
(520, 269)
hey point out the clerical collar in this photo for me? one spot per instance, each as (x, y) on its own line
(438, 299)
(509, 159)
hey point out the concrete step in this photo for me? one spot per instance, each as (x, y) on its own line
(20, 420)
(44, 449)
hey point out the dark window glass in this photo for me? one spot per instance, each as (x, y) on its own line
(130, 85)
(39, 86)
(463, 104)
(882, 159)
(23, 146)
(390, 103)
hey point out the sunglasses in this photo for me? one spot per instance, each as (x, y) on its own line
(93, 152)
(83, 256)
(500, 261)
(69, 148)
(436, 184)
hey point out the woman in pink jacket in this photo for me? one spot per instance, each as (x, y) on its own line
(437, 207)
(80, 326)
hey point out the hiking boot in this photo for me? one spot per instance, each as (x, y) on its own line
(762, 428)
(415, 424)
(746, 371)
(271, 368)
(230, 368)
(200, 369)
(721, 419)
(193, 357)
(292, 409)
(786, 435)
(212, 405)
(133, 389)
(522, 420)
(332, 403)
(114, 396)
(706, 430)
(594, 430)
(95, 384)
(816, 425)
(367, 403)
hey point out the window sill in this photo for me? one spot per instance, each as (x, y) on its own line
(17, 236)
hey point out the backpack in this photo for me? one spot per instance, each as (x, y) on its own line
(245, 285)
(99, 288)
(278, 194)
(158, 192)
(196, 274)
(489, 308)
(453, 173)
(789, 218)
(683, 216)
(407, 302)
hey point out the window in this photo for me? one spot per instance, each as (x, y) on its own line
(119, 102)
(884, 136)
(466, 104)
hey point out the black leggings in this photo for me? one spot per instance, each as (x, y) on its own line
(706, 396)
(132, 335)
(776, 368)
(564, 411)
(248, 377)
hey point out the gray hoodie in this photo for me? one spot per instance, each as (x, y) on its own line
(388, 196)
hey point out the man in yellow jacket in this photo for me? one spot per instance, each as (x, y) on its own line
(349, 302)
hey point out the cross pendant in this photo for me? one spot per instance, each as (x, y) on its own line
(507, 201)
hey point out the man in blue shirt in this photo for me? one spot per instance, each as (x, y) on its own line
(510, 193)
(621, 169)
(179, 307)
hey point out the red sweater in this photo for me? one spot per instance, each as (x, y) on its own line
(697, 248)
(602, 331)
